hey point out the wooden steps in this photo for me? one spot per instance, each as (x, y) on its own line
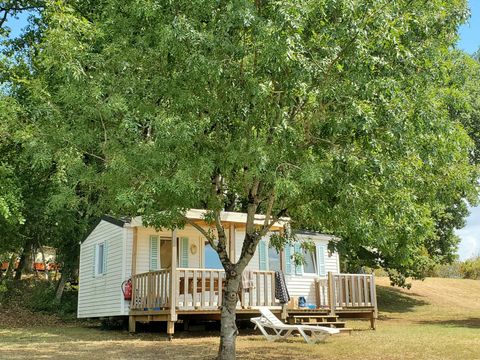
(320, 320)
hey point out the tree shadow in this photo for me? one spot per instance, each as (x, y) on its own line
(471, 322)
(394, 300)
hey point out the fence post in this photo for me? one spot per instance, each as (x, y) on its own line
(373, 293)
(173, 279)
(318, 301)
(331, 293)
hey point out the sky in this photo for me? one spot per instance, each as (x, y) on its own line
(469, 42)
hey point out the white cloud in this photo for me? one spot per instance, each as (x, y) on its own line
(470, 235)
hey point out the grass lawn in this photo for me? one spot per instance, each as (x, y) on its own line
(436, 319)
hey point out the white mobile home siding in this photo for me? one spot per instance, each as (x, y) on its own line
(101, 295)
(304, 284)
(143, 246)
(254, 263)
(301, 284)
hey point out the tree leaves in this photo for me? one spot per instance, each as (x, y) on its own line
(352, 117)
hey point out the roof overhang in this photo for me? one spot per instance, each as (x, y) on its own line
(225, 217)
(305, 234)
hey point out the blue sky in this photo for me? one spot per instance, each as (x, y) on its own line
(469, 42)
(470, 32)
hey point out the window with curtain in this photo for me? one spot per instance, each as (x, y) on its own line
(273, 259)
(309, 267)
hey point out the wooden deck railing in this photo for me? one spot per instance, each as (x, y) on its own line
(260, 290)
(198, 289)
(354, 290)
(341, 291)
(151, 290)
(203, 289)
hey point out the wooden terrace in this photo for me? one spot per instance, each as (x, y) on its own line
(188, 293)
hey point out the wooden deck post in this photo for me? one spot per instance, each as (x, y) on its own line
(134, 250)
(170, 329)
(331, 293)
(173, 281)
(132, 324)
(131, 319)
(373, 299)
(284, 314)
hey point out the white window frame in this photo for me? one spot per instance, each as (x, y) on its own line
(100, 262)
(267, 252)
(315, 265)
(280, 254)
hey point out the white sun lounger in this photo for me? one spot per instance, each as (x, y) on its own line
(282, 331)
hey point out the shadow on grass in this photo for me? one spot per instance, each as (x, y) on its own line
(472, 322)
(393, 300)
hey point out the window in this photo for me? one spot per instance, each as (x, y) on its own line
(310, 262)
(100, 259)
(211, 259)
(273, 259)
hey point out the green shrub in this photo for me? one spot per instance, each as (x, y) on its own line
(3, 291)
(471, 268)
(39, 296)
(453, 271)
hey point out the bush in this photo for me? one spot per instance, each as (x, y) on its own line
(471, 268)
(39, 296)
(3, 290)
(453, 271)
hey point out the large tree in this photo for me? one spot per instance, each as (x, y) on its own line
(326, 111)
(38, 206)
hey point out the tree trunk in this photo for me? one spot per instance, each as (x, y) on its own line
(25, 264)
(47, 277)
(229, 331)
(60, 287)
(21, 264)
(11, 266)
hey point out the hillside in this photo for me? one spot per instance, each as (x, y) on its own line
(434, 297)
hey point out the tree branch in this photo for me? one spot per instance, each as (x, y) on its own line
(222, 247)
(8, 9)
(252, 206)
(205, 233)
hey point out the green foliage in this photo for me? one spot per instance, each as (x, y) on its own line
(350, 122)
(471, 268)
(468, 269)
(3, 291)
(453, 270)
(10, 197)
(39, 296)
